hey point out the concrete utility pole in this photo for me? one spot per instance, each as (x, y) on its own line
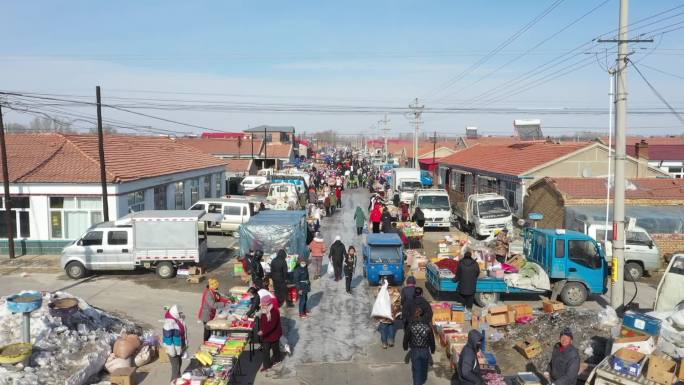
(417, 111)
(385, 128)
(6, 184)
(100, 148)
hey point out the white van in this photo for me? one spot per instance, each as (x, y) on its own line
(229, 214)
(641, 253)
(251, 182)
(435, 205)
(282, 196)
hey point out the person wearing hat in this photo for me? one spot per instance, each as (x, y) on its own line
(317, 249)
(279, 277)
(257, 270)
(565, 361)
(466, 276)
(468, 367)
(212, 300)
(270, 332)
(301, 279)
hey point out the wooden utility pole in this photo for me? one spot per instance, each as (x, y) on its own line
(100, 148)
(6, 184)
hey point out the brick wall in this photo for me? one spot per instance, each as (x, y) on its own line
(543, 200)
(669, 244)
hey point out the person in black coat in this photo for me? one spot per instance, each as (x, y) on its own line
(257, 270)
(466, 275)
(338, 252)
(565, 361)
(406, 298)
(419, 302)
(279, 277)
(254, 301)
(386, 220)
(418, 217)
(468, 366)
(301, 279)
(419, 338)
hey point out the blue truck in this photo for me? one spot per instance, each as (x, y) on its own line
(574, 262)
(383, 257)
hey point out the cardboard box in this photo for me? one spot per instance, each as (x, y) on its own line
(419, 275)
(552, 306)
(123, 376)
(642, 323)
(196, 278)
(521, 310)
(517, 261)
(641, 344)
(458, 316)
(500, 319)
(475, 322)
(680, 372)
(163, 356)
(199, 270)
(528, 348)
(661, 369)
(629, 362)
(498, 309)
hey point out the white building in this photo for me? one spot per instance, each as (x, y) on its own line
(56, 191)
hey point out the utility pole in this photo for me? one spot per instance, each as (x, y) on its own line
(385, 128)
(100, 148)
(617, 294)
(434, 147)
(417, 111)
(6, 185)
(265, 150)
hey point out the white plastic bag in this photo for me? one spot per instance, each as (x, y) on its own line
(113, 363)
(284, 346)
(144, 356)
(608, 317)
(383, 304)
(331, 270)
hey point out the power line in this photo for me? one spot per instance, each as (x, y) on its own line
(661, 71)
(655, 91)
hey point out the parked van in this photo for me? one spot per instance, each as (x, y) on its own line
(251, 182)
(641, 253)
(283, 196)
(435, 205)
(154, 239)
(229, 214)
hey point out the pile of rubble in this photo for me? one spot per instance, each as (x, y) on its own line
(65, 352)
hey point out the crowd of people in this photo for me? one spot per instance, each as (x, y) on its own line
(274, 286)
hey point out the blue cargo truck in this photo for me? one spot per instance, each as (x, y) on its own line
(574, 262)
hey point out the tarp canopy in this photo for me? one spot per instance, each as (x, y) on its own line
(272, 230)
(654, 219)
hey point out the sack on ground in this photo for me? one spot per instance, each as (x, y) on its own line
(126, 345)
(113, 363)
(284, 346)
(146, 354)
(383, 304)
(331, 270)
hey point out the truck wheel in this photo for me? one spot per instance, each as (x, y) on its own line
(484, 299)
(76, 270)
(166, 270)
(573, 294)
(633, 271)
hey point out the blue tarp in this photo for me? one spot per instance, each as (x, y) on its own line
(272, 230)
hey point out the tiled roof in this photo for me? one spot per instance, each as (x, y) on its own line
(222, 135)
(632, 140)
(278, 150)
(227, 147)
(661, 151)
(257, 129)
(515, 159)
(642, 188)
(238, 165)
(489, 140)
(54, 158)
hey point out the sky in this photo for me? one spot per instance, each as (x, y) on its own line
(229, 65)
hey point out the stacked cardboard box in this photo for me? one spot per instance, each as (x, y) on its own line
(500, 316)
(550, 306)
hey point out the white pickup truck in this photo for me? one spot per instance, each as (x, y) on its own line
(435, 205)
(481, 214)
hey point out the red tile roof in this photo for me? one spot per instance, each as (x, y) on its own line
(238, 165)
(661, 151)
(515, 159)
(222, 135)
(595, 188)
(54, 158)
(225, 147)
(278, 150)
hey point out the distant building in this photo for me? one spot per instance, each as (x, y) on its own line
(278, 146)
(667, 157)
(56, 191)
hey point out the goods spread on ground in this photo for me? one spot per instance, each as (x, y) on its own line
(411, 229)
(70, 343)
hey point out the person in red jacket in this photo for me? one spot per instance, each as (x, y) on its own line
(270, 333)
(338, 194)
(376, 217)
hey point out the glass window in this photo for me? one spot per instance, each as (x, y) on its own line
(385, 254)
(638, 238)
(90, 203)
(20, 203)
(601, 235)
(232, 210)
(24, 224)
(560, 248)
(95, 217)
(194, 190)
(56, 223)
(206, 191)
(92, 238)
(136, 201)
(117, 238)
(198, 206)
(214, 209)
(585, 253)
(70, 216)
(160, 198)
(179, 197)
(3, 223)
(218, 185)
(56, 202)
